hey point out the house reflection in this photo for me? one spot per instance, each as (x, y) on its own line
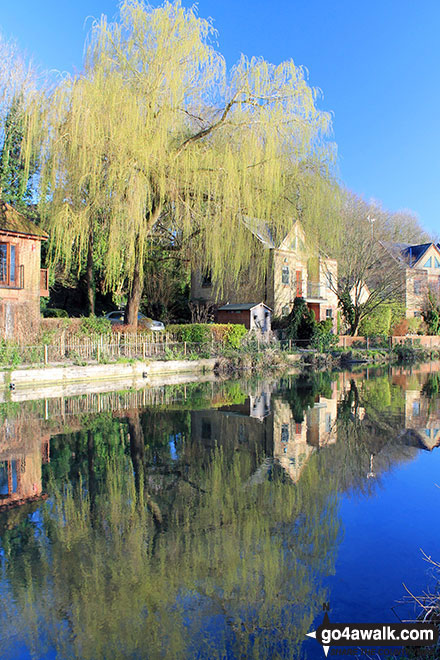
(23, 450)
(295, 442)
(422, 414)
(265, 423)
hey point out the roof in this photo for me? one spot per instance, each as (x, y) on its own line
(240, 307)
(407, 253)
(260, 230)
(13, 222)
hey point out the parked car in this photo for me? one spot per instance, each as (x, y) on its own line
(117, 317)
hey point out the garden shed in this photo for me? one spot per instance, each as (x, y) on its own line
(254, 316)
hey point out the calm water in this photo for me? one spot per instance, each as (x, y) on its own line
(213, 520)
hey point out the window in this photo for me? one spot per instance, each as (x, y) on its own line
(417, 287)
(285, 275)
(285, 310)
(428, 264)
(328, 313)
(8, 264)
(416, 408)
(436, 262)
(284, 433)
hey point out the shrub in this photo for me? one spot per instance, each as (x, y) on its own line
(323, 339)
(191, 332)
(377, 322)
(415, 325)
(54, 313)
(405, 353)
(300, 323)
(95, 325)
(227, 334)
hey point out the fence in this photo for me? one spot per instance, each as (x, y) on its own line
(103, 348)
(429, 342)
(126, 346)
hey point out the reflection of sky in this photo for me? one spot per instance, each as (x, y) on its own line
(174, 439)
(4, 477)
(382, 543)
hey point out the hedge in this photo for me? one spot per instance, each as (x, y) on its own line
(227, 334)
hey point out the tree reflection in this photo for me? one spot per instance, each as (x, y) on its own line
(237, 569)
(163, 537)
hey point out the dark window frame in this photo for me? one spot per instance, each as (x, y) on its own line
(7, 281)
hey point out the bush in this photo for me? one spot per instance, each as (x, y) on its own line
(55, 313)
(377, 323)
(95, 325)
(323, 339)
(415, 325)
(227, 334)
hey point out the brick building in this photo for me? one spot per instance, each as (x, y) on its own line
(420, 272)
(293, 270)
(22, 281)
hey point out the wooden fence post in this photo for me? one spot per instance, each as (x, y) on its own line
(45, 354)
(184, 347)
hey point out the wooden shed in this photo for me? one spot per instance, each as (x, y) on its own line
(254, 316)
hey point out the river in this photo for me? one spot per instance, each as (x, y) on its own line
(215, 520)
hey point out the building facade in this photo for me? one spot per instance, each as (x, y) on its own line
(292, 270)
(420, 273)
(22, 281)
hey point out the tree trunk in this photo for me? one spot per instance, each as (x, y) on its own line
(137, 285)
(134, 299)
(137, 446)
(90, 277)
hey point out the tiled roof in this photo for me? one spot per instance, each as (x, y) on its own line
(12, 221)
(406, 253)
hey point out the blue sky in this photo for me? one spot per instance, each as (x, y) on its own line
(377, 64)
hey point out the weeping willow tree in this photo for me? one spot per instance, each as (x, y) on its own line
(157, 126)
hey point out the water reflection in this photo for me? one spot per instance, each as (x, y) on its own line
(194, 521)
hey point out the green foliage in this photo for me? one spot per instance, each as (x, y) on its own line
(300, 323)
(54, 312)
(432, 385)
(95, 325)
(415, 325)
(156, 127)
(15, 177)
(191, 332)
(10, 354)
(227, 334)
(378, 322)
(323, 338)
(347, 308)
(407, 353)
(431, 314)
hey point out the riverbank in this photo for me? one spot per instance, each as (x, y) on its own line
(149, 371)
